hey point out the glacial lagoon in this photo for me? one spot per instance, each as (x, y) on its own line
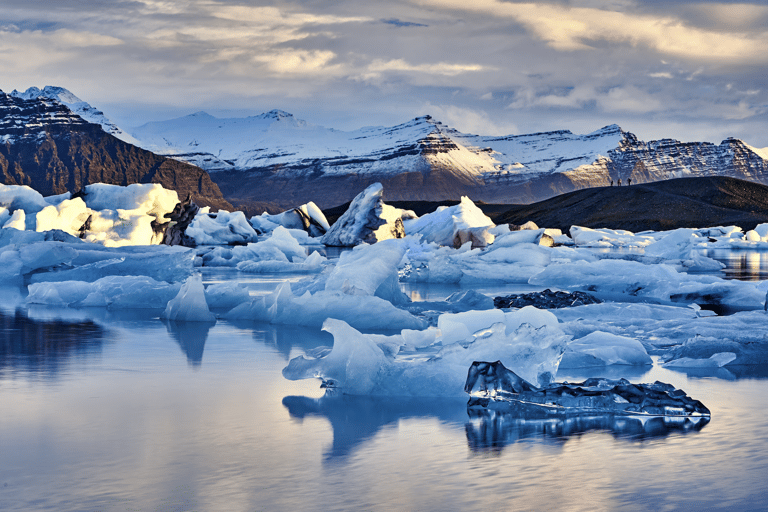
(118, 410)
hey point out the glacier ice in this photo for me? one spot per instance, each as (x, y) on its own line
(453, 226)
(601, 348)
(714, 361)
(115, 292)
(307, 217)
(280, 252)
(399, 365)
(368, 219)
(221, 228)
(189, 305)
(492, 385)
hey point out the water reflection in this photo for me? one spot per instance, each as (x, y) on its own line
(491, 431)
(191, 337)
(45, 346)
(357, 419)
(747, 265)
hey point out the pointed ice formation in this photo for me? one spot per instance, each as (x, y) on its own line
(368, 220)
(189, 305)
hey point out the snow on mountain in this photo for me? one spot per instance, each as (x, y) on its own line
(78, 106)
(277, 139)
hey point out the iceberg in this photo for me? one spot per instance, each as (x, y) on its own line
(414, 364)
(546, 299)
(220, 228)
(602, 348)
(493, 386)
(113, 292)
(189, 305)
(367, 220)
(453, 226)
(307, 217)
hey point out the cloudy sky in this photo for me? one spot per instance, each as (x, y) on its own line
(691, 70)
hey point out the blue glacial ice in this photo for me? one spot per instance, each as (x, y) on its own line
(425, 363)
(493, 386)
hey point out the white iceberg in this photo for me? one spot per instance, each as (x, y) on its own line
(221, 228)
(453, 226)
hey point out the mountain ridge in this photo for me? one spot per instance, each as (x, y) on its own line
(45, 145)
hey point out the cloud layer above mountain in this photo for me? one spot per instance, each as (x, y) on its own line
(692, 70)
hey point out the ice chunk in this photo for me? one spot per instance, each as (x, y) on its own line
(16, 221)
(361, 364)
(587, 237)
(454, 226)
(714, 361)
(131, 292)
(226, 295)
(221, 228)
(307, 217)
(189, 305)
(367, 220)
(602, 348)
(546, 299)
(683, 245)
(92, 262)
(633, 280)
(280, 252)
(21, 197)
(492, 385)
(364, 269)
(312, 309)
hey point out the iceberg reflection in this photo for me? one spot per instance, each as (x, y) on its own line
(191, 337)
(492, 430)
(357, 419)
(45, 346)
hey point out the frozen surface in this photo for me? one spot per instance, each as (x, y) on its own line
(189, 305)
(368, 364)
(492, 385)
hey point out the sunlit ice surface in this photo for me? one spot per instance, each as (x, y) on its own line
(105, 410)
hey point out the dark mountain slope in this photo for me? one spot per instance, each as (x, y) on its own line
(664, 205)
(45, 146)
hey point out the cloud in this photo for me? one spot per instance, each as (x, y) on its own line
(469, 121)
(579, 28)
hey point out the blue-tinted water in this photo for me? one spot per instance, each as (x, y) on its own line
(121, 411)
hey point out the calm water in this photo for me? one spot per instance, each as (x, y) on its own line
(107, 411)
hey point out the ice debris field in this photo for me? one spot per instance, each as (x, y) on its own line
(652, 300)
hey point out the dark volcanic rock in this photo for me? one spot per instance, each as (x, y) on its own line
(47, 147)
(181, 217)
(546, 299)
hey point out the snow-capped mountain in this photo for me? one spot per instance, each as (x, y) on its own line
(47, 146)
(78, 106)
(276, 157)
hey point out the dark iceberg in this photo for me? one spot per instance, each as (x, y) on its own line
(493, 386)
(546, 299)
